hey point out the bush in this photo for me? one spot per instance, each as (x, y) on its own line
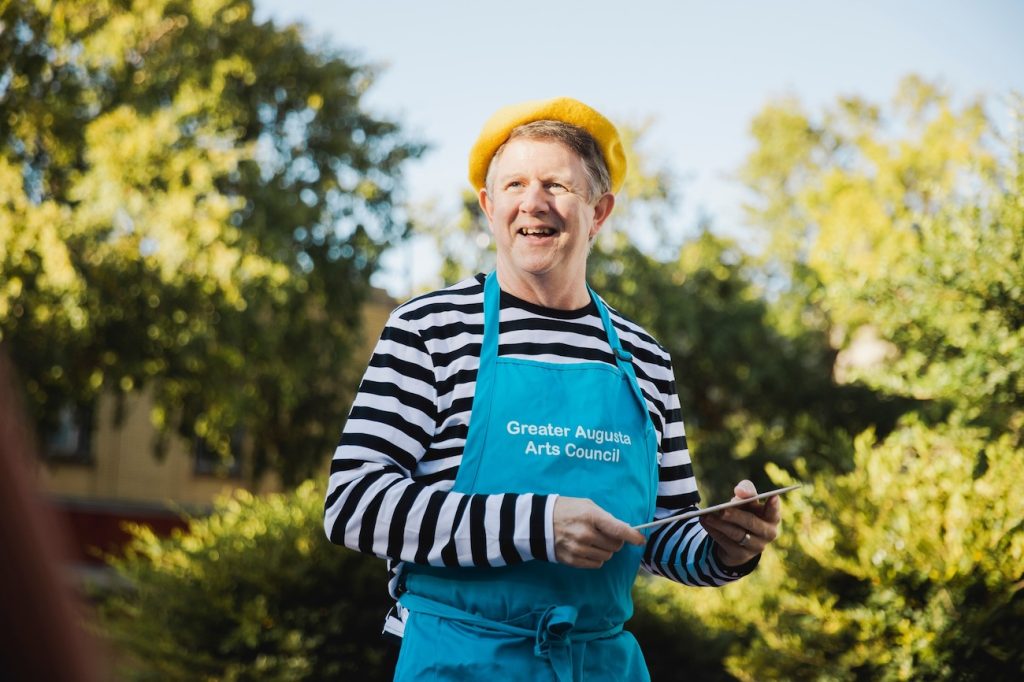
(909, 567)
(252, 592)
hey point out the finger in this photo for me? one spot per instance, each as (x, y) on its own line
(580, 555)
(722, 530)
(586, 563)
(739, 541)
(626, 533)
(762, 519)
(591, 553)
(772, 511)
(634, 537)
(732, 544)
(718, 525)
(738, 523)
(749, 522)
(602, 541)
(591, 557)
(619, 532)
(744, 489)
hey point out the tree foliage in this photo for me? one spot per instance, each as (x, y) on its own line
(750, 393)
(752, 389)
(191, 203)
(907, 567)
(910, 563)
(907, 220)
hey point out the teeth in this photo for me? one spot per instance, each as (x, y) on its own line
(545, 231)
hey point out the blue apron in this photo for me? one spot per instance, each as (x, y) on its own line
(580, 430)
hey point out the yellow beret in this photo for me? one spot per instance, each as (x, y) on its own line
(565, 109)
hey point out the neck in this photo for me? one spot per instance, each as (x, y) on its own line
(548, 290)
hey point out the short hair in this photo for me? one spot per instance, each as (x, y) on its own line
(578, 141)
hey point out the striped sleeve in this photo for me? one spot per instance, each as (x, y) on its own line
(390, 484)
(682, 551)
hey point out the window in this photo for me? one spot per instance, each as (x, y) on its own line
(70, 440)
(209, 463)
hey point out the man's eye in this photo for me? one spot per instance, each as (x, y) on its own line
(557, 187)
(514, 184)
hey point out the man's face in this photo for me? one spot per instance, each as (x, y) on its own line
(539, 212)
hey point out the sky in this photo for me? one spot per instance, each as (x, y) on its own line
(698, 71)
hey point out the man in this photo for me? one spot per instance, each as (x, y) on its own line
(512, 429)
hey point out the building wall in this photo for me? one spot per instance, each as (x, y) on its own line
(123, 479)
(125, 468)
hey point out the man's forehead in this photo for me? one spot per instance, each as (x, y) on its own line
(523, 150)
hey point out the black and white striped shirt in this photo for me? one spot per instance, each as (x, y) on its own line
(391, 478)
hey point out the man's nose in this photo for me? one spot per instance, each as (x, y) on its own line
(534, 198)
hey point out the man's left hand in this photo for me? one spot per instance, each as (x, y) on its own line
(741, 533)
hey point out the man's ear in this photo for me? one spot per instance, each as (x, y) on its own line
(485, 205)
(602, 209)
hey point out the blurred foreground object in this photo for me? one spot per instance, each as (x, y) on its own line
(41, 618)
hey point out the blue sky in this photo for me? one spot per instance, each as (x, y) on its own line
(698, 70)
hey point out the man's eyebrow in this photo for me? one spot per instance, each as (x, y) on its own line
(555, 177)
(564, 177)
(566, 180)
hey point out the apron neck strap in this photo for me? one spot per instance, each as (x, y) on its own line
(492, 318)
(623, 358)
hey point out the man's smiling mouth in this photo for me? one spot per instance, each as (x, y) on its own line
(538, 231)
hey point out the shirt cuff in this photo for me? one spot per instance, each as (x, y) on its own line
(549, 526)
(732, 572)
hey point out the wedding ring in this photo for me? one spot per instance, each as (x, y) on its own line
(745, 540)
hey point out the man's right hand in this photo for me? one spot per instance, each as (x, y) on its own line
(586, 536)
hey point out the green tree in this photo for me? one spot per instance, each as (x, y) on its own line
(463, 241)
(752, 389)
(191, 203)
(910, 563)
(906, 222)
(750, 393)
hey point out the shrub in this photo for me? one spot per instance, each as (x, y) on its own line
(911, 566)
(254, 591)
